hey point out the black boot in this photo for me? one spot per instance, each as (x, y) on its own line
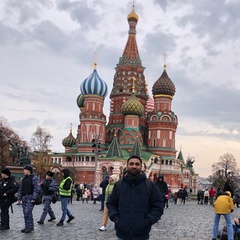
(60, 223)
(28, 230)
(70, 219)
(51, 219)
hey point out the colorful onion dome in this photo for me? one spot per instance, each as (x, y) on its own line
(150, 101)
(69, 141)
(164, 85)
(80, 100)
(132, 106)
(94, 85)
(150, 104)
(132, 16)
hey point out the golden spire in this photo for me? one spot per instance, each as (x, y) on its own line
(165, 60)
(133, 87)
(71, 127)
(95, 60)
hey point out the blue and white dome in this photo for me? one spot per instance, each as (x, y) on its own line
(94, 85)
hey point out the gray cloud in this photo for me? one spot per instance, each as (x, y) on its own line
(50, 35)
(163, 4)
(157, 43)
(86, 16)
(218, 20)
(9, 36)
(25, 10)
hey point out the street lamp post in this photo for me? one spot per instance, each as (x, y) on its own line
(96, 146)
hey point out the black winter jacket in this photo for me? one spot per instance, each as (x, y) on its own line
(132, 209)
(162, 186)
(8, 186)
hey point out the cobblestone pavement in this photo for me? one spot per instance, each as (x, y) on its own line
(179, 222)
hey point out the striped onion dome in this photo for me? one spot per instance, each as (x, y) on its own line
(150, 101)
(80, 100)
(69, 141)
(164, 85)
(132, 106)
(94, 85)
(150, 104)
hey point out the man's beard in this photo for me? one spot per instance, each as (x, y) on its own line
(134, 171)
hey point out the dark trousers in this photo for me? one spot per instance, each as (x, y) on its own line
(165, 202)
(27, 211)
(4, 212)
(47, 209)
(102, 197)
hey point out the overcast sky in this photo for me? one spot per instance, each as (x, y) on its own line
(47, 49)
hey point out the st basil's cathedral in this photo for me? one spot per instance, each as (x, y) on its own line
(137, 125)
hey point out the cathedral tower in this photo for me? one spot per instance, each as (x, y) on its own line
(129, 67)
(162, 122)
(92, 119)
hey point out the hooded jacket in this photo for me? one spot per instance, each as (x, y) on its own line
(104, 184)
(162, 186)
(132, 209)
(224, 204)
(109, 190)
(65, 186)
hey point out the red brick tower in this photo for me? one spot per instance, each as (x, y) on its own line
(129, 67)
(162, 122)
(92, 119)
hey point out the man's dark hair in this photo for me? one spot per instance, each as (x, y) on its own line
(135, 156)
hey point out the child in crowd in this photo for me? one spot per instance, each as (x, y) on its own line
(85, 195)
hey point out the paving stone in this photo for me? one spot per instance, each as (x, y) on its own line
(179, 222)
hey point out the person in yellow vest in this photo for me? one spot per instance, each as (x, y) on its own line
(65, 189)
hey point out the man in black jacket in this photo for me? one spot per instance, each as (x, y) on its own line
(28, 193)
(228, 186)
(8, 187)
(48, 187)
(103, 185)
(162, 186)
(133, 207)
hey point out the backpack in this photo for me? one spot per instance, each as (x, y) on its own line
(147, 181)
(223, 233)
(55, 197)
(38, 201)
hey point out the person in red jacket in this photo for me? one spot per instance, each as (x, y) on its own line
(211, 195)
